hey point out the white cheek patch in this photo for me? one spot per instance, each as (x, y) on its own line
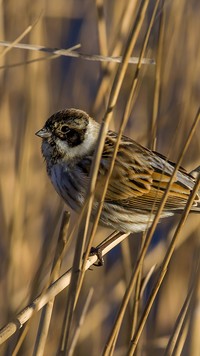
(62, 145)
(85, 147)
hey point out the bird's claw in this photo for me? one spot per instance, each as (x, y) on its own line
(98, 252)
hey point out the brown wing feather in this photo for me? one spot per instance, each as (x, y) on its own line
(136, 183)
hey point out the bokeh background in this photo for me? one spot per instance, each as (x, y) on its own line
(30, 210)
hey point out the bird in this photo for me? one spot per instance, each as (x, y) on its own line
(137, 183)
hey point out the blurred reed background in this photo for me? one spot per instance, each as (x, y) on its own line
(30, 210)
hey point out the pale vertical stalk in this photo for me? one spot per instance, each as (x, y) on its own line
(164, 268)
(77, 270)
(101, 23)
(102, 36)
(181, 338)
(19, 38)
(158, 68)
(148, 238)
(177, 327)
(182, 343)
(136, 302)
(47, 310)
(127, 266)
(153, 142)
(125, 118)
(125, 23)
(81, 322)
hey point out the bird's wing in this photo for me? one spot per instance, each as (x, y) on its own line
(140, 178)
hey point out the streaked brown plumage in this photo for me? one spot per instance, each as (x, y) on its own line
(139, 179)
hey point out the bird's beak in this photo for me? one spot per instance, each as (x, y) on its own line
(43, 133)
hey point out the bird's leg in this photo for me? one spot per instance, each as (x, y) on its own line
(98, 250)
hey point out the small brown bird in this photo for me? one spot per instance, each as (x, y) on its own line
(139, 178)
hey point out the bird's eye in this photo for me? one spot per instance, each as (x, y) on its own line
(64, 129)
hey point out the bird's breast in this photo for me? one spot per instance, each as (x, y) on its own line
(69, 184)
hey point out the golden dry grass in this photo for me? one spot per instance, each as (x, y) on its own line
(30, 210)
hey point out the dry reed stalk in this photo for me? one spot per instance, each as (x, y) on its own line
(30, 93)
(66, 52)
(77, 278)
(178, 325)
(164, 268)
(81, 322)
(51, 292)
(127, 18)
(147, 241)
(158, 67)
(43, 328)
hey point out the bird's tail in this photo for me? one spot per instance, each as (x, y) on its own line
(194, 173)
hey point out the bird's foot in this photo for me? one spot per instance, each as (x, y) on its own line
(98, 252)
